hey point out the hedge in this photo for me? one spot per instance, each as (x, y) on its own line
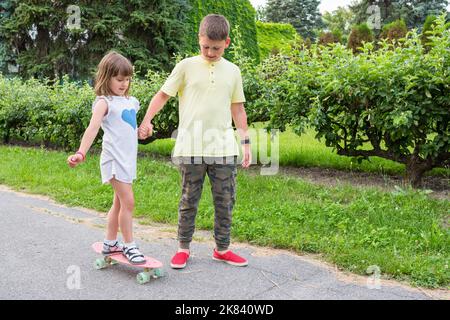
(274, 37)
(57, 115)
(238, 12)
(392, 102)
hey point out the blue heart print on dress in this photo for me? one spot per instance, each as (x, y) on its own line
(129, 116)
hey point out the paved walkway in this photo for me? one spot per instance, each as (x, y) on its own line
(48, 256)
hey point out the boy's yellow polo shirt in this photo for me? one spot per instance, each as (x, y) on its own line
(206, 91)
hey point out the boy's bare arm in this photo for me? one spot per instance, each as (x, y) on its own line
(156, 104)
(240, 120)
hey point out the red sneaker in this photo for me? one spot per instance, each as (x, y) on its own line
(230, 258)
(179, 260)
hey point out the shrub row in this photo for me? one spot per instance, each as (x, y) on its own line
(392, 102)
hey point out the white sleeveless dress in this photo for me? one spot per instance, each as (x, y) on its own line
(119, 146)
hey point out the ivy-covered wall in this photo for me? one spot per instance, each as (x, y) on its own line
(238, 12)
(274, 37)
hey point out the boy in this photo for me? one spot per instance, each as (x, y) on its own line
(210, 95)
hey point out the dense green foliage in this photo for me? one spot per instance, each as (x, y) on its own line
(47, 40)
(5, 53)
(360, 34)
(395, 99)
(427, 27)
(340, 19)
(394, 31)
(274, 37)
(238, 12)
(413, 12)
(44, 40)
(57, 114)
(392, 102)
(427, 30)
(303, 15)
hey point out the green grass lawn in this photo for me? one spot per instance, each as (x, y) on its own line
(307, 151)
(405, 233)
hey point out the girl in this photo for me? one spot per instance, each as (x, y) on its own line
(115, 112)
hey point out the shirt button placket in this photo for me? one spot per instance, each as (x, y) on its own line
(212, 77)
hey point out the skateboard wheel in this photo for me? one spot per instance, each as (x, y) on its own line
(113, 262)
(158, 273)
(100, 264)
(143, 277)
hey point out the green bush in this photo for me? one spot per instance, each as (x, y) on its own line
(57, 115)
(326, 38)
(238, 12)
(394, 31)
(359, 35)
(392, 102)
(427, 27)
(287, 85)
(427, 31)
(274, 37)
(395, 100)
(51, 115)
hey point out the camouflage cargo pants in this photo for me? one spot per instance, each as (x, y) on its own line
(222, 177)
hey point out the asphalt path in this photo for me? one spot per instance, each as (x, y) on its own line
(47, 255)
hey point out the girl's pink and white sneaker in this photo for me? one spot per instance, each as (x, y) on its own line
(112, 247)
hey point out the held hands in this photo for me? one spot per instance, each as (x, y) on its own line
(145, 131)
(75, 159)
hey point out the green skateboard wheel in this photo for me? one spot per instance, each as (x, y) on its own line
(143, 278)
(158, 273)
(99, 264)
(113, 262)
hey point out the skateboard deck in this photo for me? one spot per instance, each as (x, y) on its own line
(152, 267)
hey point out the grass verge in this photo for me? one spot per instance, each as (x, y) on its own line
(307, 151)
(405, 233)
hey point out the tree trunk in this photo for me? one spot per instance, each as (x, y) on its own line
(415, 168)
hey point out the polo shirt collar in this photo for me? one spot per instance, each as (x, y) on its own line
(211, 62)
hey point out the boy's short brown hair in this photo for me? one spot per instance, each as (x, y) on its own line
(215, 27)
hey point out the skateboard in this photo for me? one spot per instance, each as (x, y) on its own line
(152, 267)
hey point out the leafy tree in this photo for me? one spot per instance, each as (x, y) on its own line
(413, 12)
(340, 19)
(303, 15)
(359, 35)
(326, 38)
(395, 101)
(417, 10)
(46, 42)
(5, 53)
(394, 31)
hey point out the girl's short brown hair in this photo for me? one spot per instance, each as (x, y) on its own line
(111, 65)
(215, 27)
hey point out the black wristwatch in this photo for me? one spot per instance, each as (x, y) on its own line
(245, 141)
